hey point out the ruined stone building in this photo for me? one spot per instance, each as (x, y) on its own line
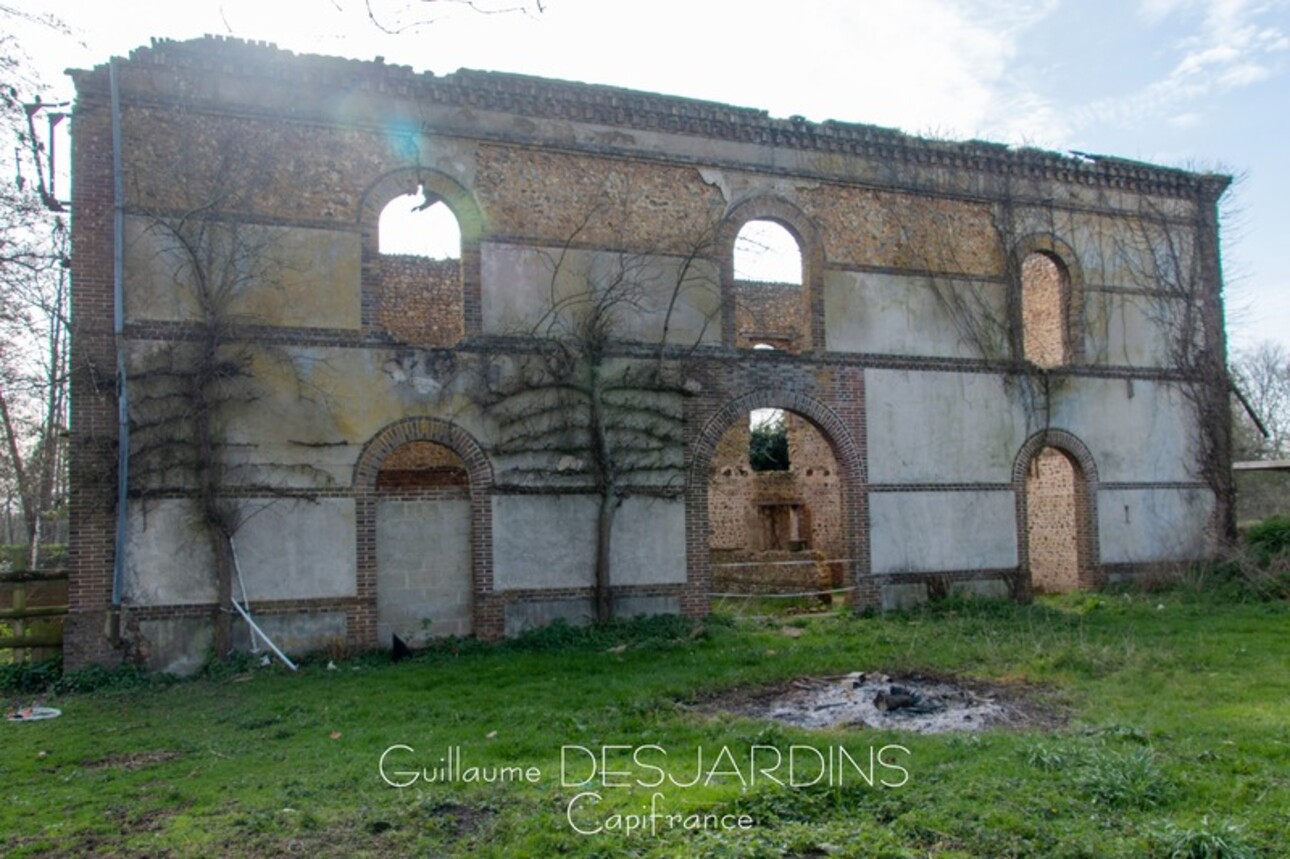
(1000, 368)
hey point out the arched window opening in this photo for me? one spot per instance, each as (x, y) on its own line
(418, 224)
(1045, 303)
(1053, 497)
(766, 252)
(420, 297)
(775, 530)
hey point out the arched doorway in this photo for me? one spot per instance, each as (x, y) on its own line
(423, 493)
(1056, 498)
(824, 444)
(423, 563)
(775, 508)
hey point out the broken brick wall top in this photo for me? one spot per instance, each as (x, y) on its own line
(360, 92)
(528, 165)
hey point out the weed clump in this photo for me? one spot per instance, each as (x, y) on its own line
(1216, 840)
(48, 678)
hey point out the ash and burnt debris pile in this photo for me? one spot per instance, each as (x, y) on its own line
(874, 700)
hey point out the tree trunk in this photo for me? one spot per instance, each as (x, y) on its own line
(223, 618)
(607, 485)
(215, 518)
(29, 503)
(604, 540)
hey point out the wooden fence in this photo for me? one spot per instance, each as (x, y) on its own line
(32, 607)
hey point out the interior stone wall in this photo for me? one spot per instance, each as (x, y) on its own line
(1051, 523)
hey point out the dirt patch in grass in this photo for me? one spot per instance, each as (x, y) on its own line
(909, 702)
(464, 819)
(131, 762)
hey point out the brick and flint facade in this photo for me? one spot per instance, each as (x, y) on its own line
(970, 319)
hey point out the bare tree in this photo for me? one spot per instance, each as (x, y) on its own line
(404, 16)
(33, 307)
(1173, 260)
(1262, 378)
(33, 375)
(214, 256)
(579, 406)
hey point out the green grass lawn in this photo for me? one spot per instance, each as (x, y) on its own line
(1174, 739)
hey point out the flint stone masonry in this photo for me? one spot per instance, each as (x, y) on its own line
(910, 350)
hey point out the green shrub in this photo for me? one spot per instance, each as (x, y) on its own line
(768, 446)
(31, 677)
(14, 557)
(1269, 539)
(48, 677)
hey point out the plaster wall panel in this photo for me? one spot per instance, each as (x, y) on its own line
(296, 633)
(1128, 329)
(1111, 249)
(930, 427)
(169, 560)
(1130, 426)
(1149, 525)
(649, 542)
(521, 286)
(914, 532)
(302, 277)
(546, 541)
(176, 645)
(297, 549)
(309, 410)
(900, 315)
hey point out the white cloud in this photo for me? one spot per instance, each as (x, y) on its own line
(1231, 47)
(1184, 120)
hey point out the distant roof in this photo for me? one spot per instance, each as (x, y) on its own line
(1262, 465)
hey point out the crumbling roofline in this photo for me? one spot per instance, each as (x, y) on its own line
(608, 105)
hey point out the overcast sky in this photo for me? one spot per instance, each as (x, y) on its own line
(1203, 84)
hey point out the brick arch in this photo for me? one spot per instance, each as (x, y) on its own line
(804, 230)
(407, 430)
(362, 625)
(847, 450)
(405, 180)
(1054, 247)
(462, 204)
(1089, 572)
